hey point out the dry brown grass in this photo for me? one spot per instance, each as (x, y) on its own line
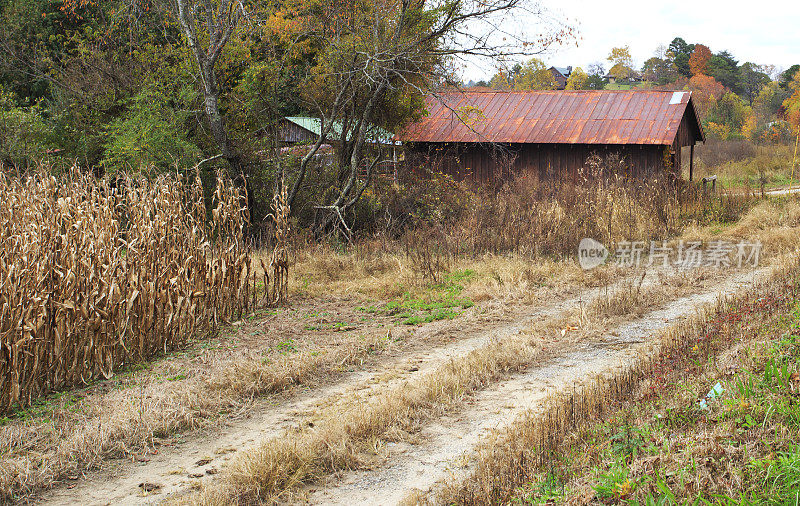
(321, 271)
(536, 218)
(639, 294)
(774, 222)
(743, 164)
(509, 278)
(537, 225)
(384, 274)
(95, 277)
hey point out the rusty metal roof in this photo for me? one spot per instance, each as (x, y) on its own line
(552, 117)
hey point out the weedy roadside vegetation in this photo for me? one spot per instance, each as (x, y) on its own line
(643, 435)
(424, 230)
(538, 219)
(744, 166)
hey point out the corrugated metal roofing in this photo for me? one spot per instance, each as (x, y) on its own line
(375, 134)
(551, 117)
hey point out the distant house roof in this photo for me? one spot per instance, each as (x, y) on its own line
(554, 117)
(561, 76)
(375, 134)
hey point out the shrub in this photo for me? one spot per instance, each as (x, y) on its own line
(534, 218)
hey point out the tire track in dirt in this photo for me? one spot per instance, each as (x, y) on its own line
(448, 443)
(196, 460)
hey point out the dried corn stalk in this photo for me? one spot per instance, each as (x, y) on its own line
(97, 275)
(279, 261)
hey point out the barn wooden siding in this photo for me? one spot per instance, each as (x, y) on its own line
(290, 133)
(478, 162)
(688, 133)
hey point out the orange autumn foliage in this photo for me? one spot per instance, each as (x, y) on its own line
(705, 89)
(698, 61)
(71, 6)
(792, 104)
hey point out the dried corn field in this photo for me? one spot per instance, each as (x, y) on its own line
(98, 275)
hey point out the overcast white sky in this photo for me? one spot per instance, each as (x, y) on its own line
(764, 32)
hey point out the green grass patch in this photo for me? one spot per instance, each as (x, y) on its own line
(337, 326)
(440, 301)
(42, 408)
(285, 347)
(443, 314)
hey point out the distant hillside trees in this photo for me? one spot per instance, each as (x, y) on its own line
(792, 103)
(788, 75)
(679, 53)
(724, 68)
(699, 60)
(659, 70)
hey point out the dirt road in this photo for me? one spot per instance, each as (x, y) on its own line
(447, 444)
(444, 446)
(199, 458)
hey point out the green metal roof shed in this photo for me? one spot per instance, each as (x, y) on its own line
(299, 129)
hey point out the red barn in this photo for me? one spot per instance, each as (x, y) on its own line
(484, 135)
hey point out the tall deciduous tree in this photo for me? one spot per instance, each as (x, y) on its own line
(751, 79)
(621, 61)
(596, 69)
(502, 80)
(705, 91)
(208, 27)
(379, 58)
(792, 103)
(578, 80)
(505, 77)
(535, 75)
(699, 59)
(659, 70)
